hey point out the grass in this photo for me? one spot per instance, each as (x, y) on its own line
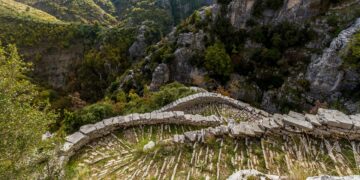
(15, 9)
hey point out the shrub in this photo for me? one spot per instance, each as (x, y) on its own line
(352, 56)
(23, 118)
(90, 114)
(217, 60)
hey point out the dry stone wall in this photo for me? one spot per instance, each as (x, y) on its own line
(92, 131)
(326, 123)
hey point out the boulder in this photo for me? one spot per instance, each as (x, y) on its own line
(137, 49)
(160, 76)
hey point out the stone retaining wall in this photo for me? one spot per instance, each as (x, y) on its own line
(326, 123)
(205, 98)
(91, 131)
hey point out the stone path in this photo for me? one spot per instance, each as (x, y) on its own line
(207, 135)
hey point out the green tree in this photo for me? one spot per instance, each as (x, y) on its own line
(23, 117)
(217, 60)
(352, 53)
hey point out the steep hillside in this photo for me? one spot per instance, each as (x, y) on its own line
(112, 11)
(19, 10)
(86, 11)
(86, 58)
(259, 52)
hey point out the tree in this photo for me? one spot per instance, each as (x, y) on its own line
(22, 122)
(217, 60)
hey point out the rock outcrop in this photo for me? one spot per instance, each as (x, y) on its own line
(137, 49)
(160, 76)
(325, 73)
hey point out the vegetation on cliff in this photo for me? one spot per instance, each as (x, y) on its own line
(24, 117)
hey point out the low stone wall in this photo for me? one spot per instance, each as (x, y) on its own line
(207, 97)
(327, 123)
(91, 131)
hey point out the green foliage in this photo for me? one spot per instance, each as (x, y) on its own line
(85, 11)
(155, 100)
(282, 36)
(88, 115)
(23, 117)
(217, 60)
(124, 103)
(19, 10)
(352, 54)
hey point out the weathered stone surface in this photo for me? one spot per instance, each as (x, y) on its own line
(335, 118)
(302, 124)
(100, 127)
(334, 178)
(67, 147)
(297, 115)
(314, 120)
(191, 136)
(150, 145)
(160, 76)
(356, 120)
(324, 73)
(87, 129)
(242, 129)
(278, 119)
(76, 137)
(179, 138)
(248, 173)
(109, 121)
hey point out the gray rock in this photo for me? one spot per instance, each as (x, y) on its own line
(240, 88)
(242, 129)
(67, 147)
(314, 120)
(149, 146)
(325, 73)
(160, 76)
(191, 136)
(137, 49)
(179, 138)
(297, 115)
(268, 101)
(334, 178)
(46, 136)
(335, 118)
(181, 65)
(356, 120)
(247, 173)
(87, 129)
(76, 138)
(301, 124)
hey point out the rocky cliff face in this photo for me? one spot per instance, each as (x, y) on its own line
(325, 73)
(292, 82)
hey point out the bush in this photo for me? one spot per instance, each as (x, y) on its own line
(217, 60)
(23, 118)
(352, 56)
(89, 115)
